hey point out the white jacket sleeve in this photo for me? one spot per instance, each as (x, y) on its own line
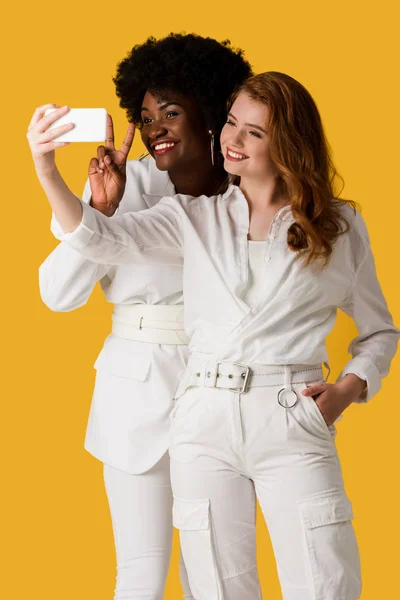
(154, 235)
(373, 349)
(66, 278)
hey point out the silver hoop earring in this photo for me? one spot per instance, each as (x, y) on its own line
(212, 146)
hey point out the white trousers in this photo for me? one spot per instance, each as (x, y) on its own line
(141, 513)
(227, 449)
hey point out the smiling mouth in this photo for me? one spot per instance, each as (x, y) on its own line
(163, 148)
(235, 156)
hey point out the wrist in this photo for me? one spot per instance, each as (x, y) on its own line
(353, 385)
(48, 173)
(108, 211)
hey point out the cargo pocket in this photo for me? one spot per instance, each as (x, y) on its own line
(332, 546)
(193, 519)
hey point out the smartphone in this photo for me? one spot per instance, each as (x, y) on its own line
(90, 125)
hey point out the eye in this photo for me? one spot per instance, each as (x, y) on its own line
(230, 123)
(171, 113)
(146, 120)
(255, 134)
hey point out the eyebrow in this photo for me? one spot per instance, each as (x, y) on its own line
(165, 105)
(248, 124)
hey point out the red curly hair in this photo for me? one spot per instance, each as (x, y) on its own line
(301, 154)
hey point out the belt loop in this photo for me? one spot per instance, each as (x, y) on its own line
(326, 365)
(287, 397)
(287, 380)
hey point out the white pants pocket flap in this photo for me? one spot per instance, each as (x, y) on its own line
(191, 515)
(332, 545)
(334, 507)
(193, 519)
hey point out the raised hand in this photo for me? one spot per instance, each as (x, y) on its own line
(107, 172)
(41, 139)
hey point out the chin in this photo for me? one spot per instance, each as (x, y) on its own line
(232, 168)
(161, 167)
(164, 163)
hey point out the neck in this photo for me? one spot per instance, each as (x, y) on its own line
(262, 195)
(203, 180)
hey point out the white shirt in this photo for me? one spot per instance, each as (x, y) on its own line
(299, 305)
(256, 282)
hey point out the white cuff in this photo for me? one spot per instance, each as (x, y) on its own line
(56, 228)
(80, 237)
(364, 369)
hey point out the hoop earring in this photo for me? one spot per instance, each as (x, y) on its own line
(212, 147)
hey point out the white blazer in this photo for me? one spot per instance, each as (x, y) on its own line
(128, 424)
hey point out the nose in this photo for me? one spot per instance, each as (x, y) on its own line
(236, 139)
(157, 130)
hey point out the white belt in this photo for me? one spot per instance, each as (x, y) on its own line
(156, 324)
(239, 378)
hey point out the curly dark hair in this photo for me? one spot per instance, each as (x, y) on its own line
(201, 68)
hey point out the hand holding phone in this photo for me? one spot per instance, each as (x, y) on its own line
(41, 140)
(107, 172)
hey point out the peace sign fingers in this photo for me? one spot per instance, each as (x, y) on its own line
(110, 134)
(128, 141)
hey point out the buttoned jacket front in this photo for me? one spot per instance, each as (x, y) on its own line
(299, 305)
(135, 382)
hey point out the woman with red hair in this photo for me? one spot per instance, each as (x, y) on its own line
(266, 266)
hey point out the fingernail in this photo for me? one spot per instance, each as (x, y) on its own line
(101, 164)
(107, 160)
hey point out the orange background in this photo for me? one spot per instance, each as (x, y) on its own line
(56, 533)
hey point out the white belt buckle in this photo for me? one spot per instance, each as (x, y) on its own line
(245, 376)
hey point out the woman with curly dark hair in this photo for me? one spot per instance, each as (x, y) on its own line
(266, 266)
(175, 90)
